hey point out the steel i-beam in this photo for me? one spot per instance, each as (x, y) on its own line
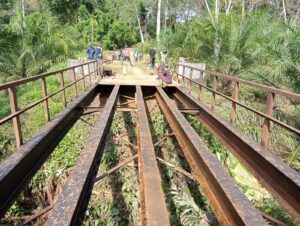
(228, 202)
(154, 210)
(281, 180)
(72, 203)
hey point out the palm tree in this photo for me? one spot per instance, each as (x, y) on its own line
(44, 43)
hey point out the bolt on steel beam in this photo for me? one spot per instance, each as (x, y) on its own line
(72, 203)
(17, 170)
(154, 209)
(228, 202)
(281, 181)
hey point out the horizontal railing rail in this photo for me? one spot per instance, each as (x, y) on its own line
(11, 87)
(267, 115)
(274, 90)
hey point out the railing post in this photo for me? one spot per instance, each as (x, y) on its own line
(75, 84)
(201, 76)
(62, 82)
(183, 74)
(177, 72)
(16, 120)
(46, 104)
(191, 75)
(214, 87)
(83, 78)
(199, 92)
(235, 94)
(90, 75)
(267, 123)
(96, 69)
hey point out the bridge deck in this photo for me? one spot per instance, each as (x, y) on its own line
(135, 75)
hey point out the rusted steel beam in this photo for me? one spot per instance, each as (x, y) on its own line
(228, 202)
(20, 167)
(154, 209)
(72, 203)
(281, 180)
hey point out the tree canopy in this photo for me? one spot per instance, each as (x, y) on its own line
(258, 40)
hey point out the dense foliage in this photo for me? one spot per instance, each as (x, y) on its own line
(258, 47)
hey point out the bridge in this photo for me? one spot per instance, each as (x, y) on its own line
(106, 95)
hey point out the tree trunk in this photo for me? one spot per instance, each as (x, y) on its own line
(158, 20)
(139, 22)
(243, 8)
(209, 12)
(284, 10)
(229, 7)
(23, 16)
(217, 10)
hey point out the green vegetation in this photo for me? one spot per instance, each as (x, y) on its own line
(252, 40)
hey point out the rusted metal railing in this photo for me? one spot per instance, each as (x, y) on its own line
(12, 87)
(267, 115)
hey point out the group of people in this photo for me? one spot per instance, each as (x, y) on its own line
(124, 55)
(138, 54)
(95, 52)
(164, 57)
(163, 70)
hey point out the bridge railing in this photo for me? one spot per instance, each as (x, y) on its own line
(234, 98)
(84, 74)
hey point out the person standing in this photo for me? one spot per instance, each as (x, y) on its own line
(90, 52)
(135, 54)
(141, 55)
(126, 54)
(98, 52)
(152, 54)
(164, 57)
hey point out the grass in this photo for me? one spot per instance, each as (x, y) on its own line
(34, 119)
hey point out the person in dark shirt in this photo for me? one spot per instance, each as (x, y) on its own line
(98, 52)
(152, 54)
(90, 52)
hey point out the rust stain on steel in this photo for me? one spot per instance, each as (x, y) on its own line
(19, 168)
(154, 209)
(71, 205)
(280, 92)
(228, 202)
(281, 180)
(44, 75)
